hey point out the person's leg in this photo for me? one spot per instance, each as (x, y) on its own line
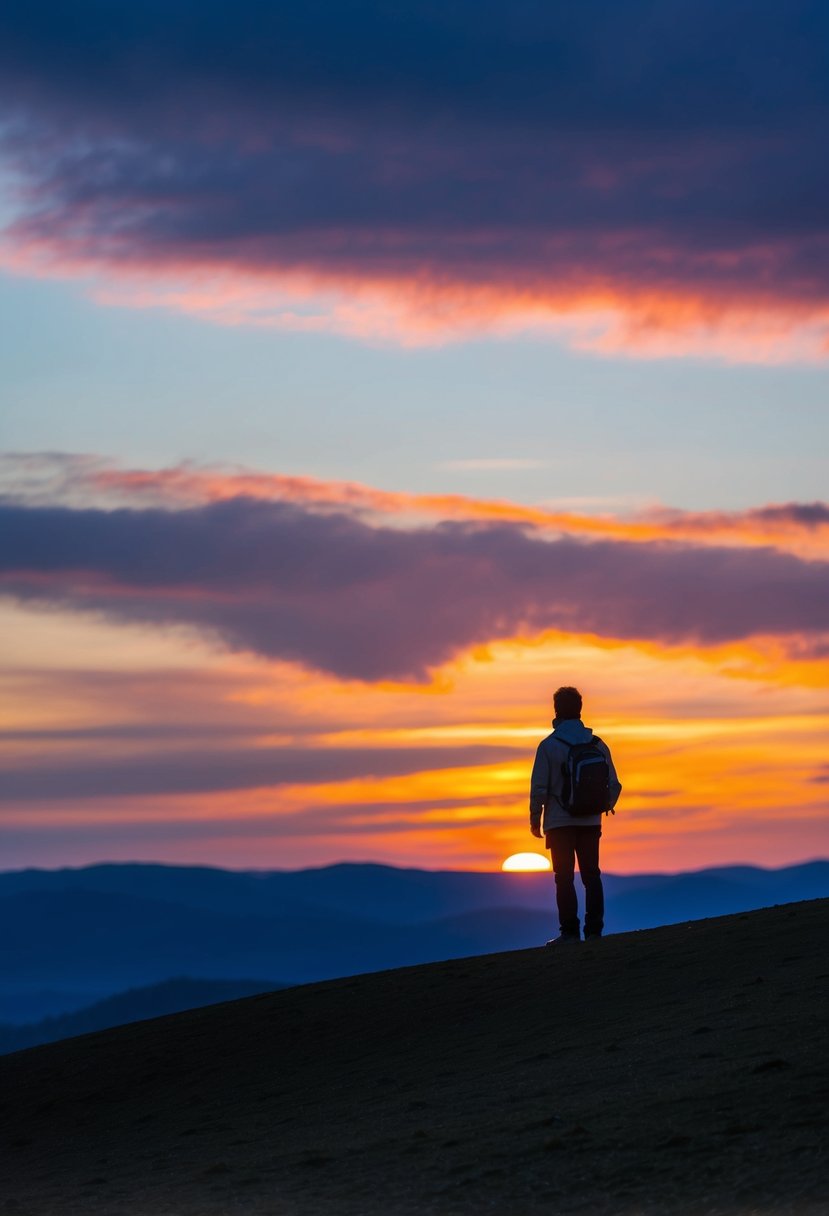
(561, 842)
(587, 851)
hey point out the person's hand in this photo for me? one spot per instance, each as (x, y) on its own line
(535, 828)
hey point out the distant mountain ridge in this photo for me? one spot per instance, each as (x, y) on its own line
(71, 937)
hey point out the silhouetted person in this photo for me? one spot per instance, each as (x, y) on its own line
(573, 784)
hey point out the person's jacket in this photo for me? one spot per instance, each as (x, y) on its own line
(547, 777)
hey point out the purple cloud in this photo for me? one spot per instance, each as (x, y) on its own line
(373, 602)
(803, 514)
(668, 149)
(216, 768)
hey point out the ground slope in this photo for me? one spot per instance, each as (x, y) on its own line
(678, 1070)
(134, 1005)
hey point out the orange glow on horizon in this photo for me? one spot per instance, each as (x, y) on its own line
(696, 738)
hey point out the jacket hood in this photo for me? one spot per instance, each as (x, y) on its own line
(572, 730)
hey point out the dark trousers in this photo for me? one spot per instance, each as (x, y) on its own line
(568, 845)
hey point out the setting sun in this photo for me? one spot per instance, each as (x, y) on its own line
(525, 862)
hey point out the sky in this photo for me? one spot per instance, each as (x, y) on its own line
(370, 371)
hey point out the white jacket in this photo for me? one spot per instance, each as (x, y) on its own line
(546, 781)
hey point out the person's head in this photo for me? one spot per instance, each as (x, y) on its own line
(567, 703)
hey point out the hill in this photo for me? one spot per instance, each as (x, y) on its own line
(74, 936)
(673, 1071)
(134, 1005)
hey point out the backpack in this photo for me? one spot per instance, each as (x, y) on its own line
(585, 788)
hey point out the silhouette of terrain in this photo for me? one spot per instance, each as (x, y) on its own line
(672, 1071)
(72, 937)
(170, 996)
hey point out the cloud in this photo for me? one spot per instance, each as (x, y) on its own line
(86, 479)
(806, 514)
(642, 177)
(187, 772)
(366, 601)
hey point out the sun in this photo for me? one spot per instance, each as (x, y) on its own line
(525, 862)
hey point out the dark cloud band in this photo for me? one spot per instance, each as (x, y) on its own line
(216, 769)
(653, 147)
(371, 602)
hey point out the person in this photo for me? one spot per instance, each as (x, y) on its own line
(570, 839)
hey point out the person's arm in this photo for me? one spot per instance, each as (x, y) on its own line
(539, 789)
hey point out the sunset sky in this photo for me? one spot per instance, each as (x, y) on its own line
(368, 372)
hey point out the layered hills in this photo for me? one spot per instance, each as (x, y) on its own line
(71, 938)
(675, 1071)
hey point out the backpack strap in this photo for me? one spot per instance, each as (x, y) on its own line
(566, 787)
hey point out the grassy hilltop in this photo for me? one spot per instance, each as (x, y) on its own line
(675, 1070)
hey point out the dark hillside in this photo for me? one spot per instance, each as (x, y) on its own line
(134, 1005)
(681, 1070)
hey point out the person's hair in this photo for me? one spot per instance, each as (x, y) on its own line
(567, 702)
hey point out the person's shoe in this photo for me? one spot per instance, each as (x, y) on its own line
(564, 939)
(592, 937)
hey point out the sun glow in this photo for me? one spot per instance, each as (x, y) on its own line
(525, 863)
(692, 731)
